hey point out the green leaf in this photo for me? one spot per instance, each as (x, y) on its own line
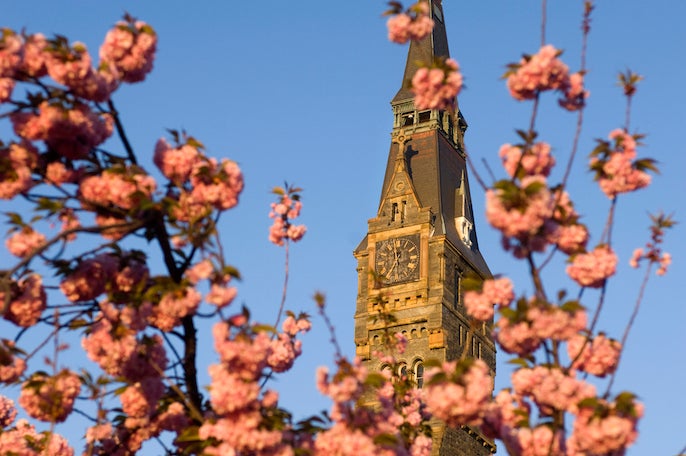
(647, 164)
(78, 323)
(472, 284)
(15, 219)
(572, 306)
(189, 434)
(519, 362)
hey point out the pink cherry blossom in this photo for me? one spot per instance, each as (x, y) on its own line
(199, 271)
(537, 73)
(283, 352)
(593, 268)
(213, 185)
(555, 323)
(11, 365)
(17, 161)
(119, 353)
(463, 400)
(636, 256)
(574, 93)
(23, 440)
(246, 356)
(35, 56)
(609, 430)
(283, 213)
(130, 276)
(50, 398)
(416, 25)
(516, 336)
(615, 166)
(6, 88)
(173, 307)
(537, 441)
(8, 411)
(139, 400)
(130, 47)
(131, 317)
(11, 48)
(551, 388)
(571, 238)
(340, 440)
(535, 161)
(98, 432)
(90, 278)
(665, 261)
(175, 163)
(344, 387)
(598, 356)
(220, 295)
(504, 413)
(58, 174)
(69, 65)
(108, 348)
(125, 188)
(292, 327)
(436, 88)
(71, 132)
(228, 392)
(524, 218)
(494, 292)
(27, 301)
(99, 84)
(24, 242)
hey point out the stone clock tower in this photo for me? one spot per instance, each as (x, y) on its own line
(422, 243)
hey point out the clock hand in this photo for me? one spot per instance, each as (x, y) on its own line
(388, 274)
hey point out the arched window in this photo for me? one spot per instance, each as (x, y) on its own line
(402, 370)
(419, 374)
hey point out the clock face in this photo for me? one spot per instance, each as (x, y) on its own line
(397, 259)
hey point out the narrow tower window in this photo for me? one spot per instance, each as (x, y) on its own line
(419, 374)
(457, 288)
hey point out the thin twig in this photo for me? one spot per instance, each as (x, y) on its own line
(629, 325)
(284, 290)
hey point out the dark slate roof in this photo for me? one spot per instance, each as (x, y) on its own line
(439, 176)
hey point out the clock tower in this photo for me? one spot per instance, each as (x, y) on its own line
(421, 244)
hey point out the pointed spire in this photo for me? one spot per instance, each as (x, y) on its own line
(434, 45)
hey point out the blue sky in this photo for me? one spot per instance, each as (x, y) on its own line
(300, 91)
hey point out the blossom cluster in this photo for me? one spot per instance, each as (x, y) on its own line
(283, 213)
(239, 421)
(413, 24)
(23, 439)
(374, 413)
(436, 87)
(458, 392)
(494, 292)
(50, 398)
(544, 71)
(615, 165)
(531, 216)
(522, 329)
(653, 253)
